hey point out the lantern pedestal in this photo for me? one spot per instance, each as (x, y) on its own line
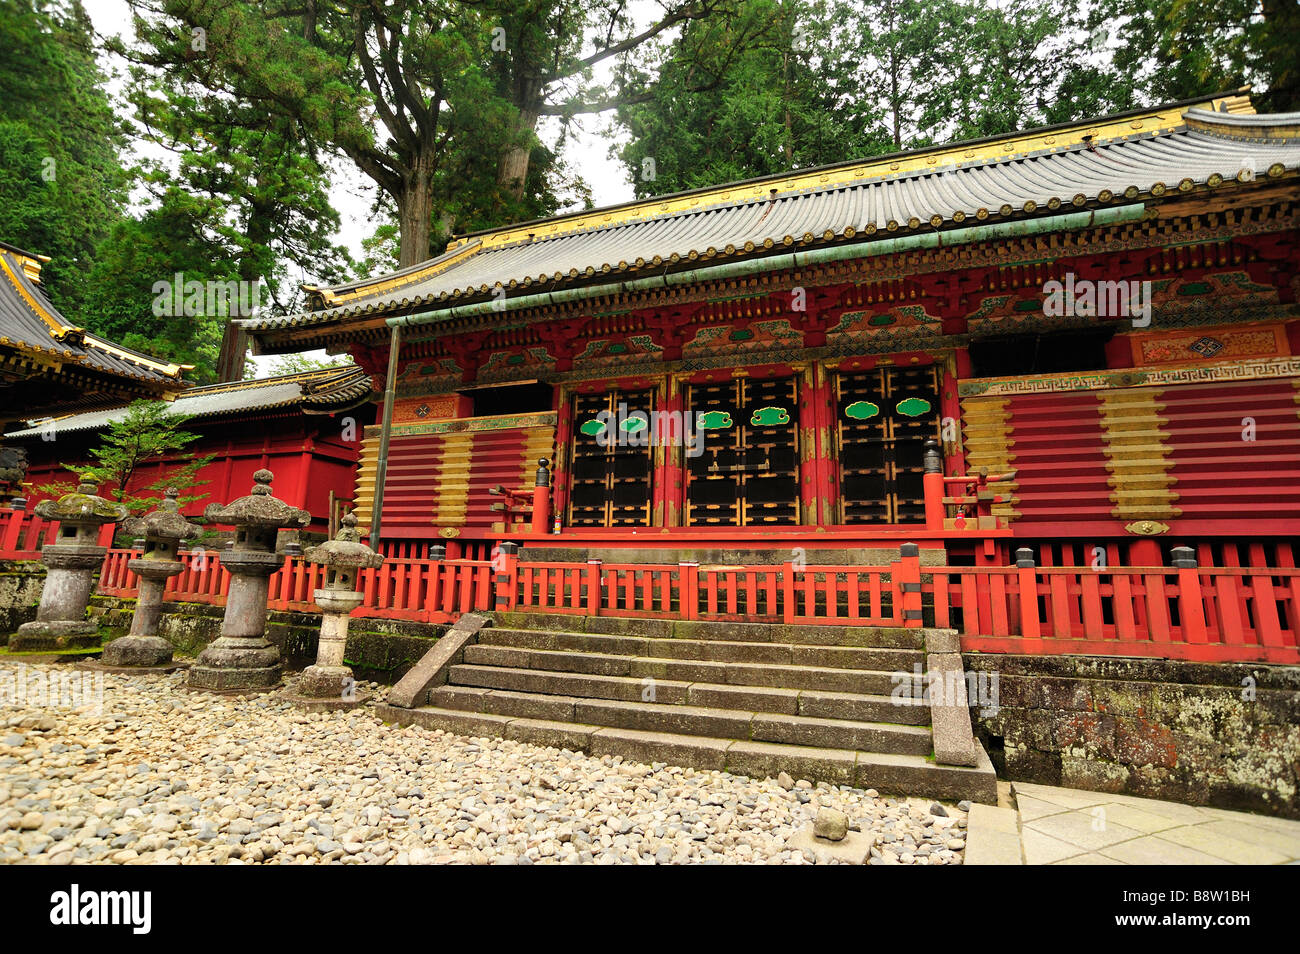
(73, 565)
(329, 680)
(163, 530)
(328, 684)
(241, 658)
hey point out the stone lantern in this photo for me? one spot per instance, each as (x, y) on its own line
(241, 657)
(329, 683)
(163, 530)
(73, 561)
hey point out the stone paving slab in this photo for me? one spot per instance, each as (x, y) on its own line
(1069, 826)
(1046, 825)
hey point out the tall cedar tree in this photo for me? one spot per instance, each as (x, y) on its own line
(62, 187)
(417, 93)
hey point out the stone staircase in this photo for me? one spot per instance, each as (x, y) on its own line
(749, 698)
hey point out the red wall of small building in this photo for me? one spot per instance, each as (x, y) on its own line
(307, 453)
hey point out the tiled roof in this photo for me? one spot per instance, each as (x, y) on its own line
(1130, 157)
(314, 392)
(30, 323)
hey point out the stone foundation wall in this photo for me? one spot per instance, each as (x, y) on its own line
(20, 592)
(380, 650)
(1219, 734)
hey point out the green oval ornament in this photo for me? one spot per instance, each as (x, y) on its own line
(913, 407)
(862, 410)
(770, 417)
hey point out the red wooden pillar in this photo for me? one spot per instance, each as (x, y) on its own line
(954, 451)
(932, 487)
(1027, 584)
(908, 570)
(593, 587)
(559, 472)
(667, 483)
(542, 498)
(1191, 607)
(816, 470)
(505, 565)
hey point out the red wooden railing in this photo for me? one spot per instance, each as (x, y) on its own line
(23, 534)
(1240, 613)
(837, 595)
(423, 591)
(1208, 614)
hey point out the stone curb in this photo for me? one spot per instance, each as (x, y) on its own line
(954, 740)
(993, 836)
(412, 690)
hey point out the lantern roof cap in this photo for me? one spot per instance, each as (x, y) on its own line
(257, 509)
(346, 549)
(166, 522)
(83, 505)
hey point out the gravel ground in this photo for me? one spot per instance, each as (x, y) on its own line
(160, 774)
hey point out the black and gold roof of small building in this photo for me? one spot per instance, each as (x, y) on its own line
(320, 391)
(33, 327)
(1142, 155)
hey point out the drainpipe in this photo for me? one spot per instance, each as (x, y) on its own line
(381, 465)
(1072, 221)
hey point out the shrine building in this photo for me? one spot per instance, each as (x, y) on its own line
(1095, 324)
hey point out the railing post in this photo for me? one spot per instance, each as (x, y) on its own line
(932, 486)
(1191, 605)
(503, 576)
(789, 601)
(593, 587)
(1027, 577)
(542, 498)
(689, 597)
(909, 584)
(13, 530)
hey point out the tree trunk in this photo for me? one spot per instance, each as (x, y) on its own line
(513, 173)
(414, 210)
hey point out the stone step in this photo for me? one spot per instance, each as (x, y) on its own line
(691, 720)
(869, 637)
(688, 670)
(814, 703)
(888, 773)
(711, 650)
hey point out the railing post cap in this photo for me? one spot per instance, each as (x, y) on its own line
(1184, 558)
(1025, 558)
(932, 459)
(909, 550)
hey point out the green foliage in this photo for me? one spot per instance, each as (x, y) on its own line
(770, 85)
(1175, 49)
(298, 363)
(739, 95)
(438, 103)
(149, 433)
(162, 243)
(61, 184)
